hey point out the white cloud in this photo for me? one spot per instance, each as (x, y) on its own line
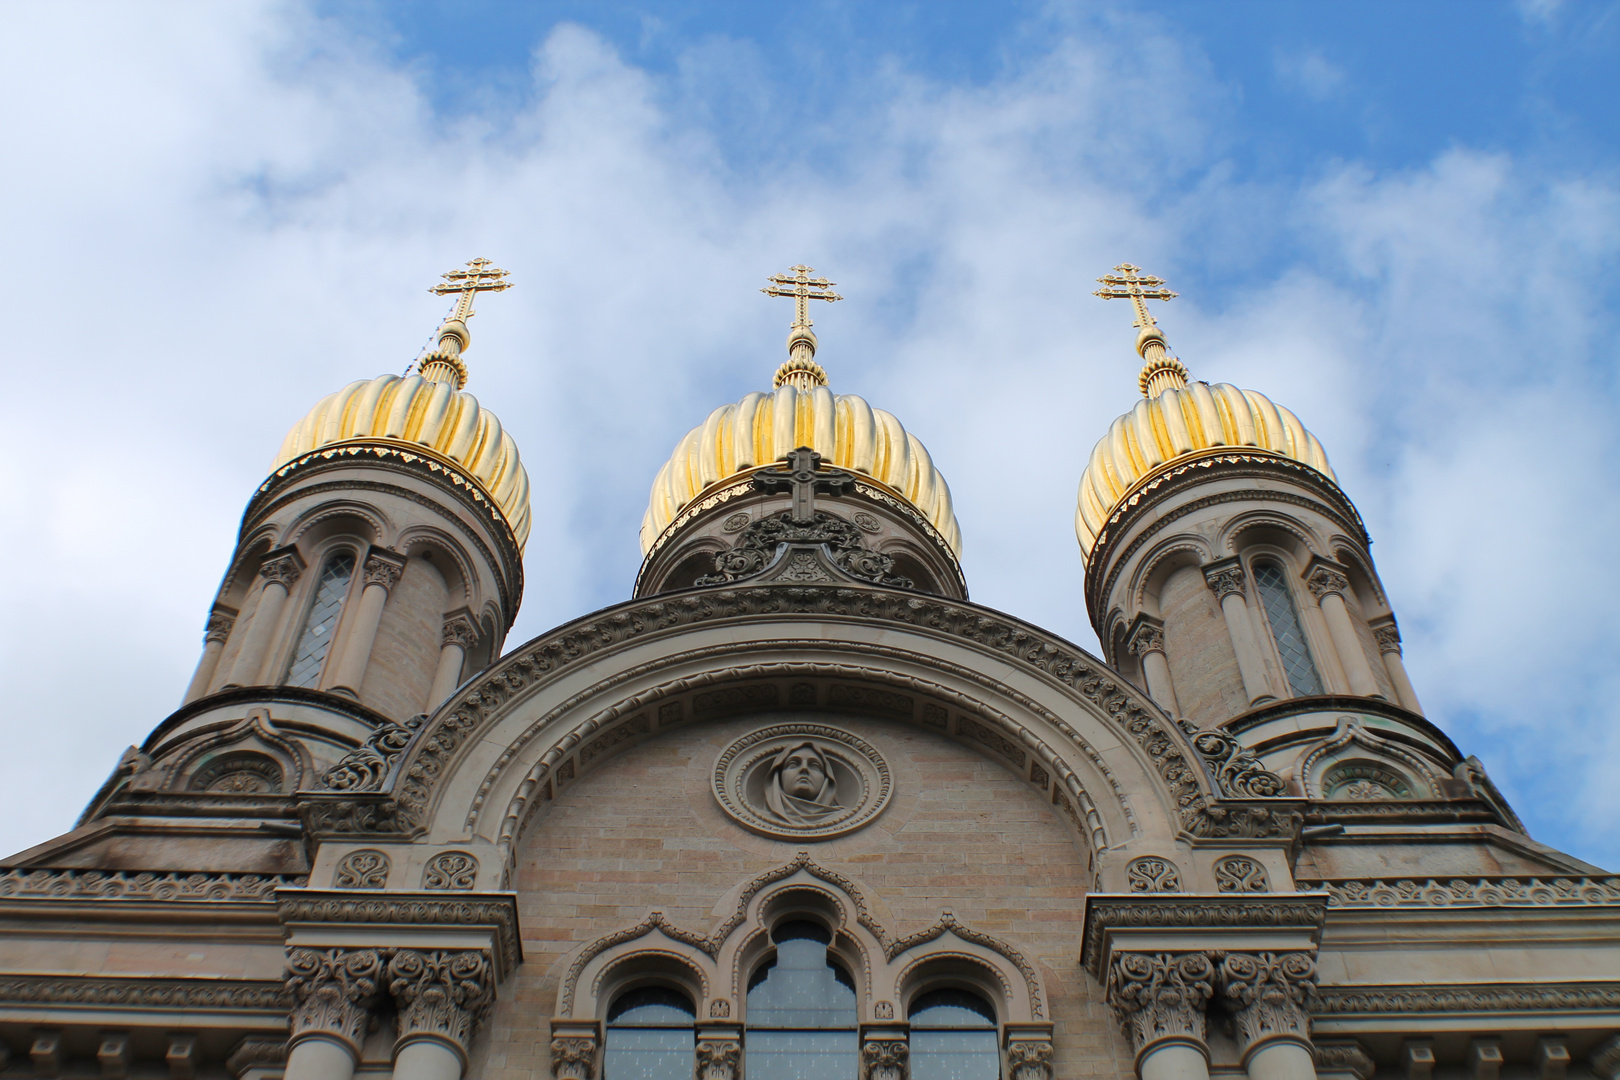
(1309, 71)
(244, 205)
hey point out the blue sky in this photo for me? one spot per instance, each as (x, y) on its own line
(1400, 220)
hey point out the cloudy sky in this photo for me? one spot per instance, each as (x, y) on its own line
(1401, 220)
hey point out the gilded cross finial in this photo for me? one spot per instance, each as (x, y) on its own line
(444, 363)
(801, 370)
(1160, 370)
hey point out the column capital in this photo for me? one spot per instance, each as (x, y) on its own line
(1267, 993)
(574, 1049)
(1224, 578)
(1029, 1052)
(282, 567)
(334, 991)
(459, 629)
(1388, 636)
(719, 1055)
(1160, 997)
(218, 628)
(383, 567)
(441, 995)
(1147, 635)
(1326, 579)
(885, 1058)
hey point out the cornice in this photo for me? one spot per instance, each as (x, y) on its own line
(1277, 710)
(408, 910)
(169, 995)
(255, 695)
(1407, 1000)
(128, 885)
(1491, 892)
(1193, 912)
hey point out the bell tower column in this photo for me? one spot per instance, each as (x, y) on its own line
(1225, 579)
(1147, 643)
(382, 571)
(280, 570)
(1328, 585)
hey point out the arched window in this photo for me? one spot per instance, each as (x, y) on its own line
(1286, 631)
(316, 639)
(953, 1037)
(650, 1036)
(801, 1011)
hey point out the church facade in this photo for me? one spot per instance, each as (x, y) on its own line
(799, 808)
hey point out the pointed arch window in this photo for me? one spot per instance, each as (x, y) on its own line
(1286, 630)
(315, 640)
(953, 1037)
(651, 1035)
(801, 1022)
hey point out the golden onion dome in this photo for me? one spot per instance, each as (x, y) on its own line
(1183, 420)
(431, 415)
(762, 428)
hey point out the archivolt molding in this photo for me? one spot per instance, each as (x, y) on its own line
(1268, 519)
(381, 527)
(254, 733)
(717, 961)
(1176, 545)
(441, 540)
(1312, 764)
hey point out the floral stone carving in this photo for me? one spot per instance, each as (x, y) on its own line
(455, 871)
(574, 1059)
(366, 869)
(1031, 1059)
(885, 1059)
(335, 990)
(1240, 874)
(718, 1059)
(758, 544)
(446, 993)
(1159, 996)
(1149, 875)
(1268, 993)
(801, 781)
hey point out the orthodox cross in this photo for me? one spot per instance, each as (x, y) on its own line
(1128, 283)
(804, 478)
(798, 284)
(479, 276)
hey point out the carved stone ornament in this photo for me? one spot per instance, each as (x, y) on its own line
(760, 545)
(1324, 580)
(366, 768)
(1225, 582)
(718, 1059)
(239, 774)
(459, 630)
(453, 871)
(866, 522)
(384, 571)
(365, 869)
(885, 1059)
(1153, 875)
(1344, 1055)
(573, 1059)
(283, 570)
(1240, 874)
(334, 991)
(1268, 994)
(736, 523)
(1238, 773)
(441, 993)
(1147, 638)
(1388, 638)
(219, 627)
(1160, 996)
(801, 781)
(1031, 1059)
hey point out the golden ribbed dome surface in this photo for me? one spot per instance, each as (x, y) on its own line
(429, 415)
(764, 427)
(1182, 421)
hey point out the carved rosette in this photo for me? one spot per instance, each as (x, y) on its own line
(575, 1059)
(1160, 997)
(459, 630)
(885, 1059)
(1324, 580)
(383, 571)
(283, 570)
(717, 1059)
(1268, 993)
(1030, 1059)
(1225, 582)
(335, 990)
(442, 995)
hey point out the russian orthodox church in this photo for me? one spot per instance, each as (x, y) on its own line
(797, 809)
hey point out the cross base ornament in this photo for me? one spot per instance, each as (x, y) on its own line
(444, 363)
(1160, 370)
(801, 370)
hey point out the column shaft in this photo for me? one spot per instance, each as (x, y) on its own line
(448, 674)
(1156, 667)
(1403, 685)
(1347, 643)
(318, 1058)
(1173, 1061)
(427, 1059)
(205, 670)
(1283, 1059)
(254, 659)
(358, 641)
(1250, 664)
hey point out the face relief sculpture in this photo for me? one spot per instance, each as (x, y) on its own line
(801, 789)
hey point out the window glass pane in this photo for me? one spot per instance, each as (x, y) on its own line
(952, 1009)
(1278, 601)
(800, 1055)
(802, 987)
(650, 1036)
(316, 640)
(954, 1055)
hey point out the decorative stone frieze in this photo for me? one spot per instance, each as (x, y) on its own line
(335, 991)
(129, 885)
(1470, 892)
(574, 1058)
(1160, 997)
(1403, 1000)
(718, 1059)
(365, 768)
(1325, 581)
(257, 1052)
(1268, 994)
(451, 871)
(365, 869)
(215, 995)
(885, 1059)
(442, 995)
(1240, 874)
(1150, 874)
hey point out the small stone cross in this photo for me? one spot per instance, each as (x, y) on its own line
(804, 478)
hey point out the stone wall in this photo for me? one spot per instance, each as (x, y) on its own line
(1203, 666)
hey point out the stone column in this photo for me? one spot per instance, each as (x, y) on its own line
(458, 637)
(1329, 586)
(719, 1053)
(885, 1056)
(576, 1048)
(1225, 580)
(1267, 993)
(1388, 637)
(1160, 1000)
(218, 629)
(1147, 643)
(442, 997)
(382, 570)
(256, 660)
(334, 990)
(1029, 1054)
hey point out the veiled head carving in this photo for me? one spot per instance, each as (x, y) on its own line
(801, 781)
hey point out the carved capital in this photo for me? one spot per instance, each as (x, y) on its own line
(459, 630)
(1325, 581)
(1267, 993)
(717, 1059)
(1388, 637)
(219, 627)
(1161, 996)
(885, 1059)
(383, 569)
(1224, 580)
(334, 991)
(441, 994)
(1147, 638)
(1030, 1059)
(282, 569)
(575, 1059)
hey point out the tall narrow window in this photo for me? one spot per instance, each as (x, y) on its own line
(651, 1035)
(1286, 631)
(953, 1037)
(316, 640)
(801, 1011)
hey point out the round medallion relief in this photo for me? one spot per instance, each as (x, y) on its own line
(802, 782)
